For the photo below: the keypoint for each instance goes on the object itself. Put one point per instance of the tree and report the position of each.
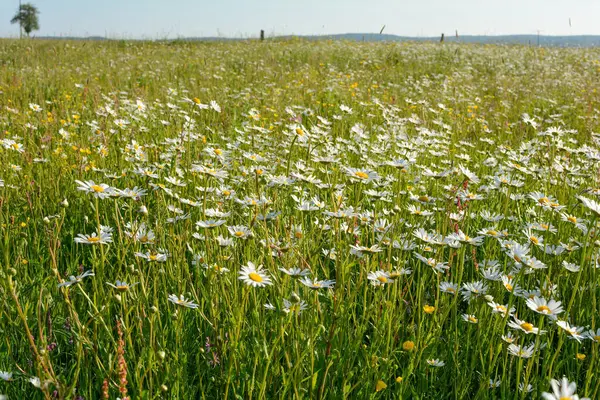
(27, 18)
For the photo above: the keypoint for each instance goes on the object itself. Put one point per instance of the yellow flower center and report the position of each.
(382, 279)
(472, 319)
(97, 188)
(239, 234)
(299, 132)
(144, 239)
(153, 257)
(362, 175)
(597, 338)
(218, 152)
(572, 219)
(492, 232)
(93, 239)
(255, 277)
(544, 200)
(294, 308)
(543, 309)
(226, 192)
(408, 345)
(527, 327)
(298, 235)
(534, 240)
(424, 198)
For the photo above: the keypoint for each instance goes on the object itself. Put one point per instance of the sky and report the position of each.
(162, 19)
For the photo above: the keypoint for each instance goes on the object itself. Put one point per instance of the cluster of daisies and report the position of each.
(394, 192)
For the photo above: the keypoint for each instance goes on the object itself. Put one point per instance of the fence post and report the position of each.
(262, 34)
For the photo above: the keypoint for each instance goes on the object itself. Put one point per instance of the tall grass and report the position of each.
(328, 157)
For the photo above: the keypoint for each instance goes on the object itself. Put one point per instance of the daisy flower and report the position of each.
(211, 223)
(590, 204)
(524, 326)
(470, 318)
(361, 175)
(574, 332)
(562, 390)
(594, 335)
(121, 286)
(379, 278)
(449, 287)
(181, 301)
(73, 280)
(253, 276)
(434, 362)
(6, 376)
(239, 231)
(570, 266)
(104, 238)
(316, 284)
(521, 351)
(101, 191)
(294, 306)
(295, 271)
(551, 308)
(501, 309)
(152, 256)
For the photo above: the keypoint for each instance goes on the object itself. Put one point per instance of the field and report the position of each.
(294, 219)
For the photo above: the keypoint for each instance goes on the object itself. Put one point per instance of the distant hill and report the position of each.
(542, 40)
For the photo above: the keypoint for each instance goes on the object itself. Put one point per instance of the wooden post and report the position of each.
(442, 38)
(262, 34)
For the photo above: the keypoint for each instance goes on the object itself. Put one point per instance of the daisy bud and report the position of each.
(46, 220)
(154, 309)
(64, 203)
(295, 298)
(164, 388)
(118, 298)
(143, 210)
(162, 355)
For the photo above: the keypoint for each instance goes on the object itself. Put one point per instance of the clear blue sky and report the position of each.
(156, 19)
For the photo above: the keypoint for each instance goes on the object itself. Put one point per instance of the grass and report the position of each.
(362, 164)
